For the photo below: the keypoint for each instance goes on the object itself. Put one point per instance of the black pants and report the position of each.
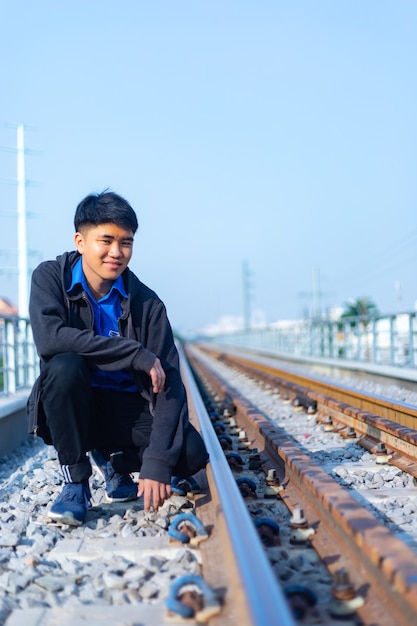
(81, 417)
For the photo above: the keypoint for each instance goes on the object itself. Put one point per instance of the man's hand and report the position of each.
(157, 375)
(153, 492)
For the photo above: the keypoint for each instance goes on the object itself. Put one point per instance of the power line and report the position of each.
(384, 267)
(382, 261)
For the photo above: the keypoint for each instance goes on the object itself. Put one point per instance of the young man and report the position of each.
(110, 384)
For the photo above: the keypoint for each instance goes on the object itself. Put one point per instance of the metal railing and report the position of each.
(382, 340)
(19, 361)
(389, 340)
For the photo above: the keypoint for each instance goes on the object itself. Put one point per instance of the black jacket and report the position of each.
(63, 322)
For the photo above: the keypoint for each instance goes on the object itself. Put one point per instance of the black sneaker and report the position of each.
(119, 487)
(71, 505)
(182, 486)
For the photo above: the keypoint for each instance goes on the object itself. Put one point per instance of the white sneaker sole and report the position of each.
(128, 499)
(65, 518)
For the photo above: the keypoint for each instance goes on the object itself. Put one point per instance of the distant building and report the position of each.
(7, 308)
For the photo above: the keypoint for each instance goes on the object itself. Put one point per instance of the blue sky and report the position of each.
(280, 134)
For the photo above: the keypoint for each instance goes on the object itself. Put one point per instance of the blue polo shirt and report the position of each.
(107, 311)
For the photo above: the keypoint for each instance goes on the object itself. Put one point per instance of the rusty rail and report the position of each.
(383, 567)
(375, 418)
(255, 595)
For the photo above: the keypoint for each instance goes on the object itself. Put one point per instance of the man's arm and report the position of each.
(53, 335)
(169, 406)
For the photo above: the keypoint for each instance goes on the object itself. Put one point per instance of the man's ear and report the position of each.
(79, 242)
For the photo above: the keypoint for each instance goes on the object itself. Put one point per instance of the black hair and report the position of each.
(106, 207)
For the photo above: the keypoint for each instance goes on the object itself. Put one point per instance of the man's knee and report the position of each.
(194, 455)
(67, 369)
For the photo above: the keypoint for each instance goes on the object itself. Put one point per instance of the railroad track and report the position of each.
(199, 559)
(373, 562)
(384, 426)
(279, 543)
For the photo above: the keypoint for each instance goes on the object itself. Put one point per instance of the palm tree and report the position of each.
(359, 312)
(362, 307)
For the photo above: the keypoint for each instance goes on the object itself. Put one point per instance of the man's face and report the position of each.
(106, 251)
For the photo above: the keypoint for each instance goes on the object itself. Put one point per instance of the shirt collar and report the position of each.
(78, 277)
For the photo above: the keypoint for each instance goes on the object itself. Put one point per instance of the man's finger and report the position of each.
(157, 375)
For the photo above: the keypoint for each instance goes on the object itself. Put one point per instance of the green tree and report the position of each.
(357, 314)
(362, 307)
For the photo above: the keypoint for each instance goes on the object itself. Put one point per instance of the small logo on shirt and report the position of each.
(114, 333)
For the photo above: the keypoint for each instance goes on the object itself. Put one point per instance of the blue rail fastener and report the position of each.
(301, 598)
(234, 460)
(268, 531)
(247, 487)
(191, 597)
(189, 520)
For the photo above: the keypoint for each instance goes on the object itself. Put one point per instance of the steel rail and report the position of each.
(396, 411)
(266, 603)
(370, 551)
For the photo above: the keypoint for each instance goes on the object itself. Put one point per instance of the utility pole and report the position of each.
(22, 263)
(22, 255)
(399, 289)
(316, 294)
(246, 296)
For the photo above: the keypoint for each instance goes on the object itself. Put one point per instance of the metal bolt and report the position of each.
(300, 532)
(254, 459)
(328, 424)
(342, 588)
(298, 518)
(351, 432)
(272, 487)
(192, 599)
(271, 475)
(381, 448)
